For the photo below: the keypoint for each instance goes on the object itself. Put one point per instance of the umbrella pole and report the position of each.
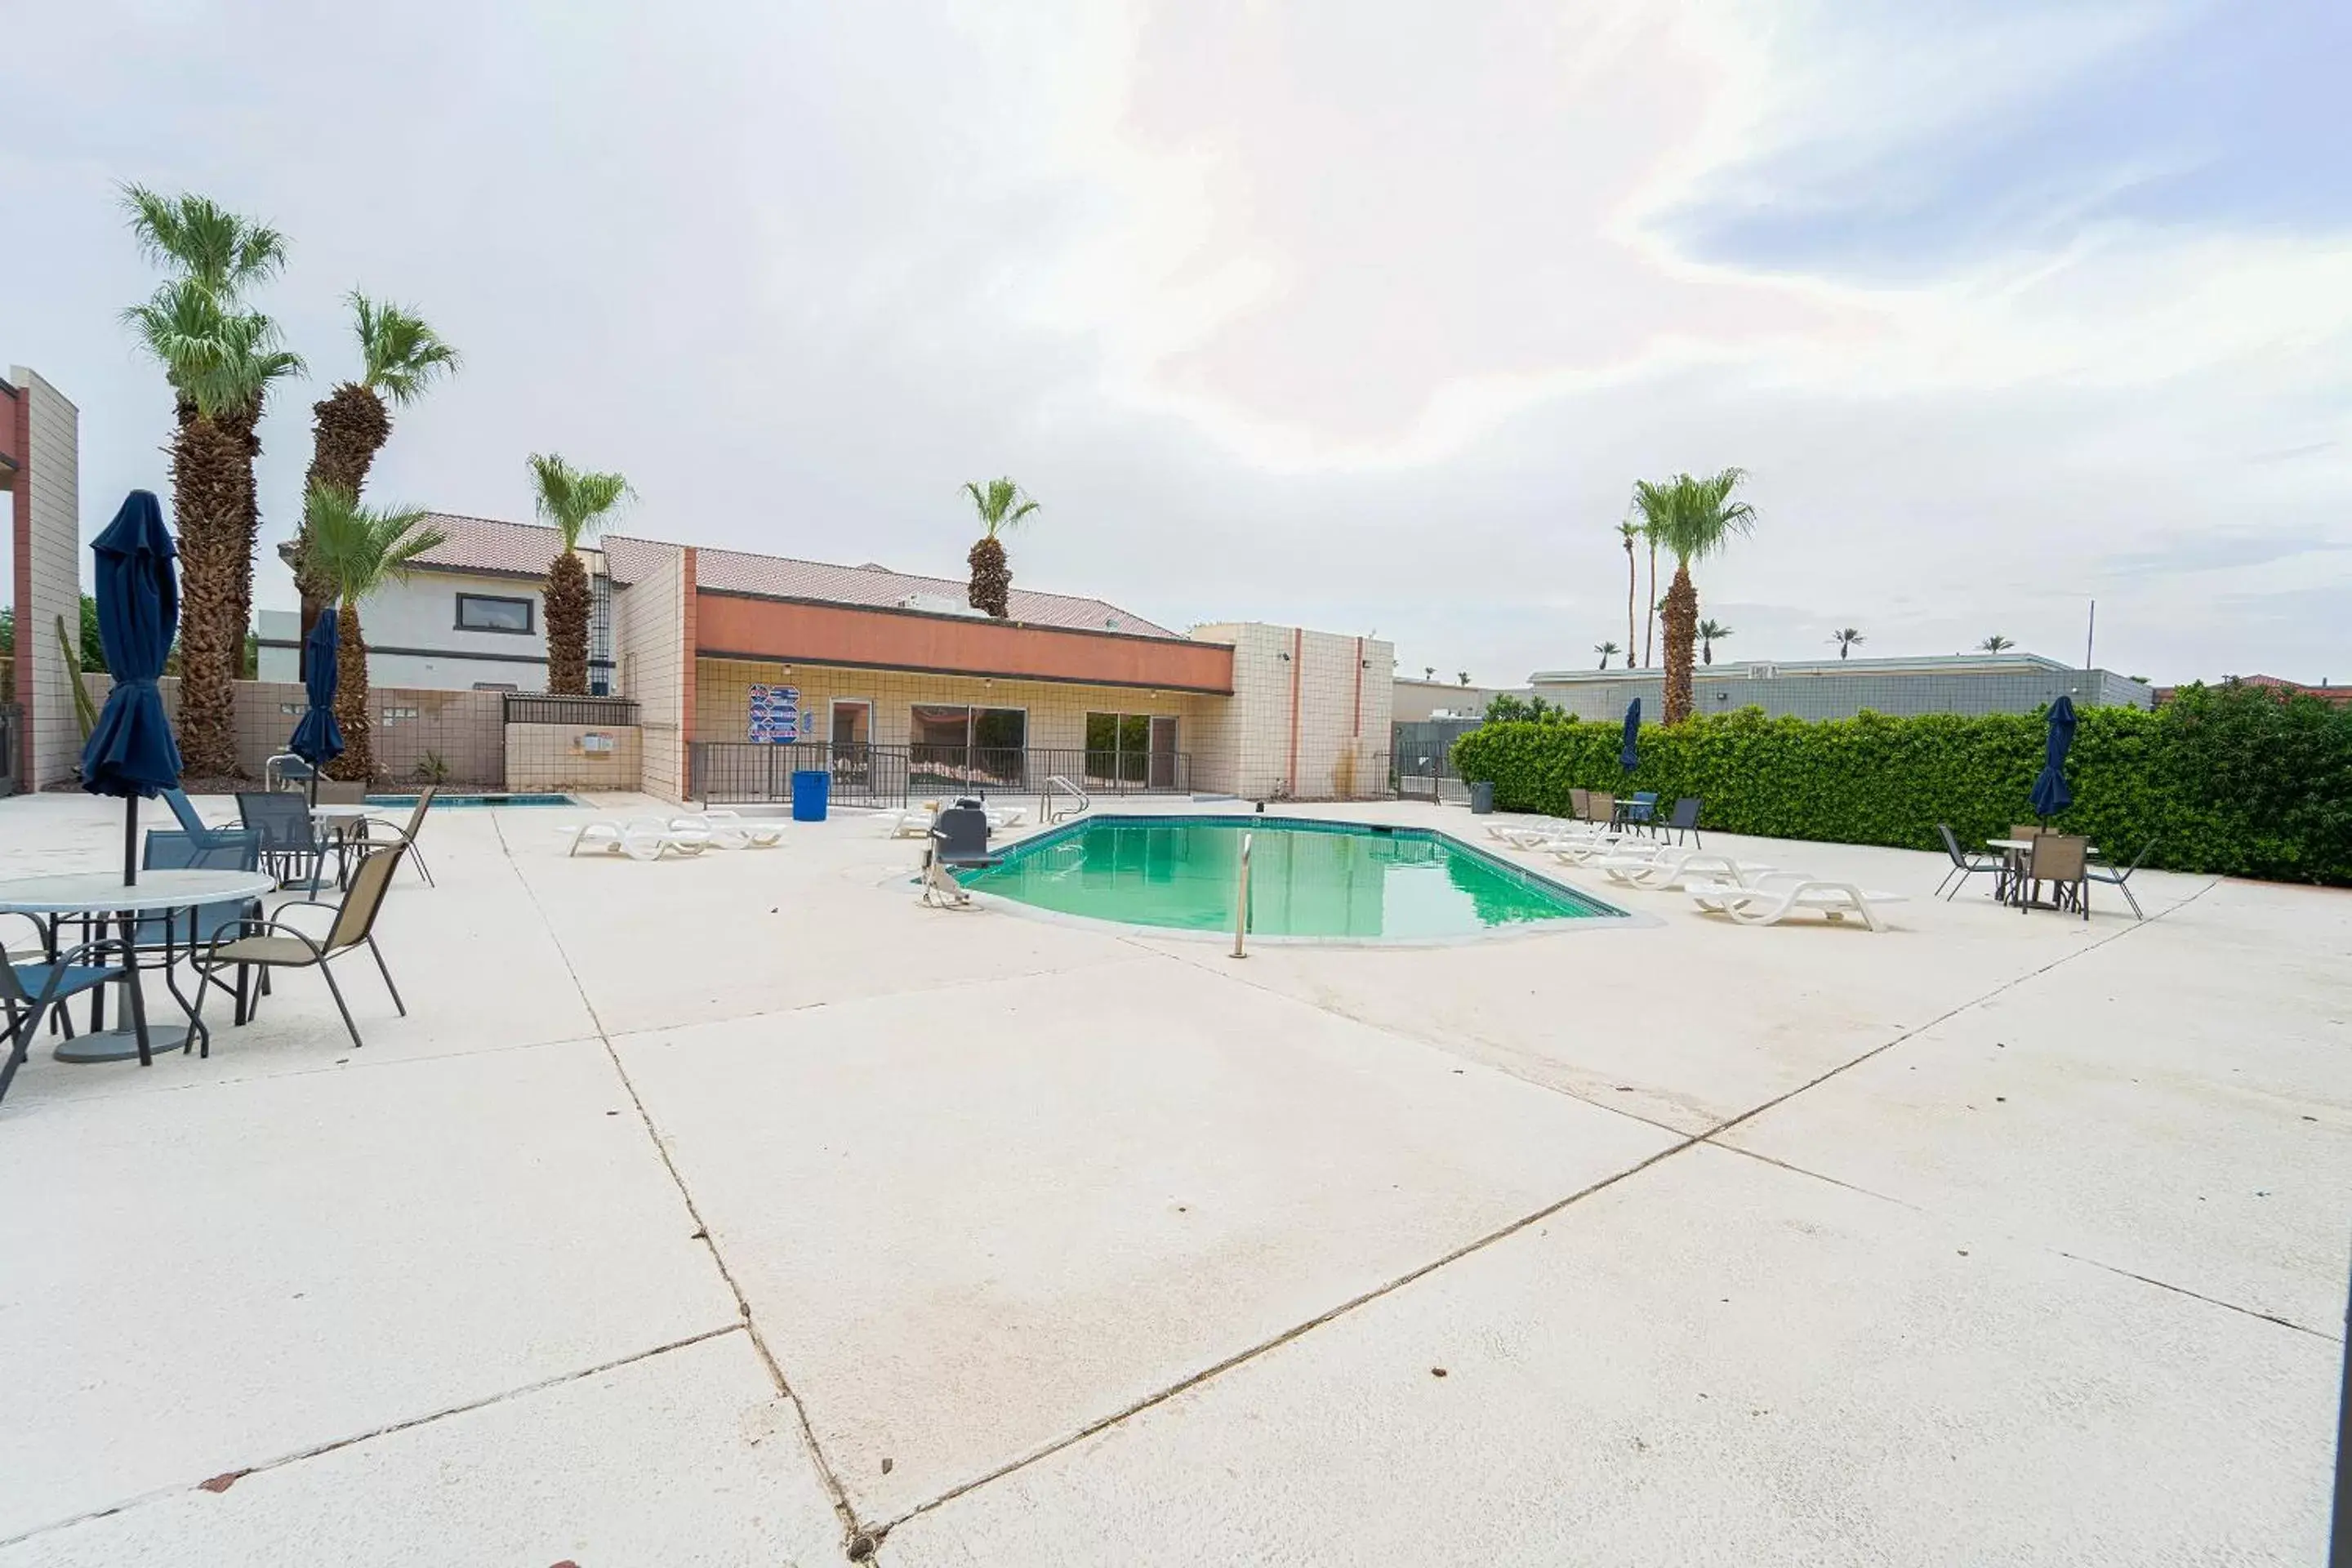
(130, 840)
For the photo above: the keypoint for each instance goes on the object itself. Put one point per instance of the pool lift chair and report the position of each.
(959, 840)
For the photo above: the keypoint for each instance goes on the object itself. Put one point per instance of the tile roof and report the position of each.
(488, 545)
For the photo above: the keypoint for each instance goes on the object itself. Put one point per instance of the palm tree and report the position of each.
(1001, 507)
(1607, 650)
(204, 244)
(1847, 639)
(1709, 634)
(1995, 644)
(356, 551)
(1429, 672)
(1462, 677)
(400, 356)
(574, 501)
(1627, 533)
(219, 362)
(1694, 518)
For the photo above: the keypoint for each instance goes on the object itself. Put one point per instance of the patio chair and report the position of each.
(2119, 878)
(1774, 898)
(1642, 811)
(227, 850)
(2060, 859)
(274, 944)
(31, 990)
(1684, 822)
(341, 792)
(2026, 831)
(1966, 863)
(640, 837)
(291, 849)
(195, 825)
(369, 827)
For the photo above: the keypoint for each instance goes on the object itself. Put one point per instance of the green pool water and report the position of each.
(1307, 878)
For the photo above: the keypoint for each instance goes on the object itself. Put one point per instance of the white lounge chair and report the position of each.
(1775, 898)
(1666, 869)
(1591, 846)
(915, 822)
(730, 830)
(640, 839)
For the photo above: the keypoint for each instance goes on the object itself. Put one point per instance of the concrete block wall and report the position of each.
(47, 513)
(1310, 714)
(652, 643)
(467, 730)
(566, 756)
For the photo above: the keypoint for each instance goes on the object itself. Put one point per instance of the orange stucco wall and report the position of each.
(743, 626)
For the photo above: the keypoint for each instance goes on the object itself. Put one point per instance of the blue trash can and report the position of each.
(812, 790)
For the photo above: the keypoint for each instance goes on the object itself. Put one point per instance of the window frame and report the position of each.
(530, 626)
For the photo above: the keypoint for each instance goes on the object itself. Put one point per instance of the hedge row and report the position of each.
(2231, 779)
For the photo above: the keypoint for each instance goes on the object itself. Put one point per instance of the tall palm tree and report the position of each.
(1429, 672)
(1694, 519)
(1002, 507)
(219, 362)
(356, 551)
(1709, 634)
(1627, 533)
(1847, 639)
(1995, 644)
(1650, 621)
(400, 356)
(201, 243)
(574, 501)
(1607, 650)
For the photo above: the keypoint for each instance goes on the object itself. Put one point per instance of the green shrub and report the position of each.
(2231, 779)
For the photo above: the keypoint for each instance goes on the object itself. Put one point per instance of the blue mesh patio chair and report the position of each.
(291, 849)
(31, 990)
(1684, 822)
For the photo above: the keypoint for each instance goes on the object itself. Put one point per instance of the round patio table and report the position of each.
(103, 897)
(340, 819)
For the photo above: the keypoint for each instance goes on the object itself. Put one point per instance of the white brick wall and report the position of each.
(649, 646)
(53, 469)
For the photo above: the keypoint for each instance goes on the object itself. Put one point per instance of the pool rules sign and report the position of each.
(775, 714)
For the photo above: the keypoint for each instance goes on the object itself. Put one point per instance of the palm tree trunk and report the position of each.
(992, 578)
(243, 424)
(566, 601)
(208, 499)
(1650, 621)
(1680, 612)
(357, 764)
(349, 426)
(1633, 587)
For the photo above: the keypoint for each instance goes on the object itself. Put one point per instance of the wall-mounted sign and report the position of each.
(775, 714)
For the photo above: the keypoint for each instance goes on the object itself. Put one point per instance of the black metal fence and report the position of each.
(9, 733)
(891, 775)
(1421, 760)
(535, 708)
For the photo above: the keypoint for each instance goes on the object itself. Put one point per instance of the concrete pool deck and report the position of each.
(713, 1211)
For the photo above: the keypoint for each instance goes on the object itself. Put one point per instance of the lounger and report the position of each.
(1591, 846)
(1672, 868)
(730, 830)
(1775, 898)
(640, 839)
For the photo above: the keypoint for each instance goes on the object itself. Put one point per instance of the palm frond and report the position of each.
(203, 241)
(358, 548)
(574, 500)
(223, 360)
(400, 355)
(1001, 504)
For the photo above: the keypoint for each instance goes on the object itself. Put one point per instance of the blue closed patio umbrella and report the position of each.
(2051, 794)
(1628, 757)
(131, 751)
(318, 738)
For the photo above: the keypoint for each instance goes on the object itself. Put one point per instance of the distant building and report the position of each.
(1418, 699)
(2339, 695)
(1840, 688)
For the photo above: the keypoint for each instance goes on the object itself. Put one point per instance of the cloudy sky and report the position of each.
(1359, 313)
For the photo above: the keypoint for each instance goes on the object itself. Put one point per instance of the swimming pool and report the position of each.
(1334, 880)
(443, 801)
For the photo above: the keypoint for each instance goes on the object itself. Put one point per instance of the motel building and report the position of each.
(718, 674)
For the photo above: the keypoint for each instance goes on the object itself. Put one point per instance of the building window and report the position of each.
(489, 613)
(1131, 749)
(952, 746)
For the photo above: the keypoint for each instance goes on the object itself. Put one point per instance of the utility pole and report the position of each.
(2091, 636)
